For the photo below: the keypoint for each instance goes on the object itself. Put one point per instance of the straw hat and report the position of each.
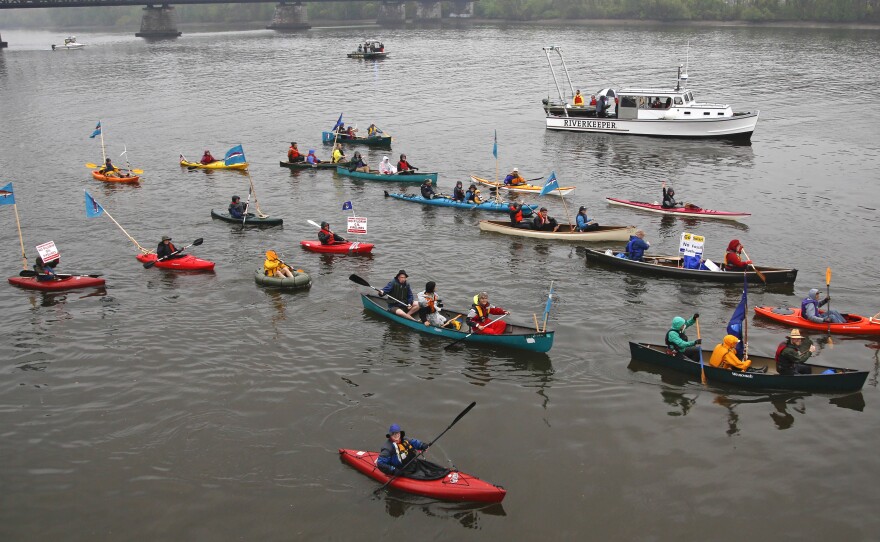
(796, 334)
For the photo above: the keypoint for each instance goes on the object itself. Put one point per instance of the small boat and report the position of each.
(68, 282)
(216, 164)
(394, 178)
(604, 233)
(252, 219)
(115, 178)
(444, 201)
(370, 141)
(453, 486)
(690, 212)
(70, 44)
(821, 379)
(515, 336)
(346, 247)
(522, 188)
(791, 317)
(670, 266)
(300, 279)
(187, 262)
(306, 165)
(369, 50)
(659, 112)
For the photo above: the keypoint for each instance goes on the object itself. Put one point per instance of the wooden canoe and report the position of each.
(522, 188)
(603, 234)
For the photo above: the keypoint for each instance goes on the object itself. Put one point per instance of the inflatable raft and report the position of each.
(63, 283)
(187, 262)
(300, 279)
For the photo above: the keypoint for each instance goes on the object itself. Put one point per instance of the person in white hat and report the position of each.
(791, 359)
(514, 178)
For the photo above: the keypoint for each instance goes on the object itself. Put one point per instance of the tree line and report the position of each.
(839, 11)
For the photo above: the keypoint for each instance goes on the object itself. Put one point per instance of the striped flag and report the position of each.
(93, 208)
(550, 184)
(235, 155)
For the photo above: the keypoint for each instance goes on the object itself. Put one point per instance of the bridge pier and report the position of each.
(462, 9)
(3, 44)
(391, 13)
(428, 11)
(290, 17)
(158, 22)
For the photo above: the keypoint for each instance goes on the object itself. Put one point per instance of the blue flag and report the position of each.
(495, 145)
(235, 155)
(549, 304)
(7, 197)
(97, 131)
(346, 206)
(338, 123)
(550, 184)
(737, 321)
(93, 208)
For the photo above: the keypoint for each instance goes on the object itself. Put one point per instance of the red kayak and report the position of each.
(455, 486)
(186, 263)
(854, 325)
(346, 247)
(63, 283)
(692, 212)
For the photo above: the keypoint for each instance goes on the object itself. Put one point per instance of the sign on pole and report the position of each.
(691, 245)
(48, 252)
(357, 224)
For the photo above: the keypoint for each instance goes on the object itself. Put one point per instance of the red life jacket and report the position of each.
(292, 154)
(331, 239)
(517, 218)
(780, 348)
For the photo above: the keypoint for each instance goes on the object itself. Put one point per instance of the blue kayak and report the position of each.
(443, 201)
(395, 178)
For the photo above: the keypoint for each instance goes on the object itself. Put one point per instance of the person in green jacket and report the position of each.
(678, 342)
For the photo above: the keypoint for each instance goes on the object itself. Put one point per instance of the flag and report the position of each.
(549, 304)
(235, 155)
(550, 184)
(495, 145)
(346, 206)
(97, 131)
(338, 122)
(93, 208)
(735, 327)
(7, 197)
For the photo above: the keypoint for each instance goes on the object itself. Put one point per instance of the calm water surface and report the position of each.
(200, 407)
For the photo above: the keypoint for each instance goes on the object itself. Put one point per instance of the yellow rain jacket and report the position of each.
(724, 355)
(272, 263)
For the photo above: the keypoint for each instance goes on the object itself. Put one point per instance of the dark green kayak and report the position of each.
(252, 220)
(305, 165)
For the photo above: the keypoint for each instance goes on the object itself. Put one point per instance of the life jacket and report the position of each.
(399, 291)
(729, 264)
(482, 313)
(779, 350)
(403, 165)
(516, 216)
(807, 302)
(669, 343)
(578, 99)
(431, 303)
(458, 194)
(331, 239)
(292, 154)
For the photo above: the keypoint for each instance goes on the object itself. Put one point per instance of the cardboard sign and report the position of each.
(691, 245)
(48, 252)
(357, 224)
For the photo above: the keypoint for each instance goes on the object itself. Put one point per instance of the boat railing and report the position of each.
(562, 98)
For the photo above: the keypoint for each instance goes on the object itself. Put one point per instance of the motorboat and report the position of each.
(369, 49)
(70, 44)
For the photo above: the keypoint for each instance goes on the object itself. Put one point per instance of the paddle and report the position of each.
(315, 224)
(702, 369)
(419, 454)
(828, 295)
(30, 273)
(95, 166)
(362, 282)
(761, 275)
(448, 346)
(196, 243)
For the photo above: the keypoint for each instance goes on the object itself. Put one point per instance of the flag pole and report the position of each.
(103, 152)
(142, 249)
(746, 320)
(565, 205)
(260, 212)
(20, 238)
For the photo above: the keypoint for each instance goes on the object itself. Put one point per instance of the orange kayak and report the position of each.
(114, 178)
(854, 325)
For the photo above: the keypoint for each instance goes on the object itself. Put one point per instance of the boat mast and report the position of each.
(565, 68)
(553, 73)
(103, 152)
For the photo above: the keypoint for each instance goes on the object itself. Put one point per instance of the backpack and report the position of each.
(779, 349)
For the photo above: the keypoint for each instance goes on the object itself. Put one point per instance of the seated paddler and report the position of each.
(427, 189)
(207, 158)
(327, 237)
(237, 209)
(810, 309)
(479, 318)
(724, 357)
(45, 270)
(400, 296)
(398, 451)
(274, 267)
(678, 343)
(636, 246)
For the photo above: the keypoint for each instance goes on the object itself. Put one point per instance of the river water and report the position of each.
(201, 407)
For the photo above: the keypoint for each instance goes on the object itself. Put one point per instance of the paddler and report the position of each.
(585, 223)
(274, 267)
(109, 169)
(207, 158)
(790, 360)
(398, 451)
(404, 167)
(544, 222)
(473, 195)
(312, 159)
(479, 317)
(293, 154)
(236, 208)
(516, 215)
(732, 259)
(327, 237)
(357, 163)
(810, 309)
(669, 198)
(636, 246)
(514, 178)
(724, 357)
(46, 271)
(458, 192)
(427, 190)
(386, 167)
(166, 249)
(338, 154)
(398, 288)
(430, 306)
(677, 341)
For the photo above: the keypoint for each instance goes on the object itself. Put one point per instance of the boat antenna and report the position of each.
(687, 57)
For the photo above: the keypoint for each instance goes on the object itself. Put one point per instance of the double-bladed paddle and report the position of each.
(195, 243)
(30, 273)
(450, 345)
(828, 296)
(419, 454)
(363, 282)
(95, 166)
(315, 224)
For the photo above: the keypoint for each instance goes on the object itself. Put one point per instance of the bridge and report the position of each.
(159, 20)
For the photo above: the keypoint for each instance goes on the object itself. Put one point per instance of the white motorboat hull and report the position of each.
(737, 127)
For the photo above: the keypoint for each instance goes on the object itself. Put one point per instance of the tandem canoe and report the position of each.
(395, 178)
(187, 262)
(604, 233)
(252, 219)
(840, 380)
(522, 188)
(515, 336)
(216, 164)
(300, 280)
(306, 165)
(346, 247)
(453, 486)
(670, 266)
(791, 317)
(374, 141)
(443, 201)
(68, 282)
(690, 212)
(115, 178)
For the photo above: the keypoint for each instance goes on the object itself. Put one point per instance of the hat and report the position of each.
(795, 334)
(394, 429)
(166, 238)
(542, 209)
(325, 224)
(401, 272)
(270, 254)
(235, 198)
(814, 293)
(516, 169)
(583, 208)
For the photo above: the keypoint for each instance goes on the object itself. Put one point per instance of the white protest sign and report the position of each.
(357, 224)
(48, 252)
(691, 245)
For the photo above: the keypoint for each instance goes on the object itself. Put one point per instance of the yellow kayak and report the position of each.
(217, 164)
(523, 188)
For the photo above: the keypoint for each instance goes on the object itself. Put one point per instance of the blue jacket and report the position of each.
(236, 210)
(635, 248)
(388, 460)
(404, 293)
(582, 221)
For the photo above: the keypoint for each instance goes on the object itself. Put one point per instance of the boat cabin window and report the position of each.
(660, 102)
(678, 101)
(628, 101)
(689, 97)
